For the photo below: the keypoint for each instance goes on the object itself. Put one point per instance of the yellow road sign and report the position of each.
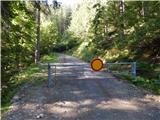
(97, 64)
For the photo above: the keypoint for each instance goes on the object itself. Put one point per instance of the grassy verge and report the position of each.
(152, 85)
(33, 74)
(50, 58)
(14, 86)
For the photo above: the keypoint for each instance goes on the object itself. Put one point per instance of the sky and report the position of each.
(68, 2)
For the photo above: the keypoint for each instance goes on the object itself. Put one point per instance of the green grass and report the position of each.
(49, 58)
(30, 75)
(16, 82)
(152, 85)
(5, 107)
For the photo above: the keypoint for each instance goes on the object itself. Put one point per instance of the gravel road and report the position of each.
(82, 94)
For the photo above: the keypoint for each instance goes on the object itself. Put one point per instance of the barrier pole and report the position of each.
(49, 74)
(134, 70)
(55, 74)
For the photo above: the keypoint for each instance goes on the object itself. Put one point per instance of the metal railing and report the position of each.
(133, 67)
(49, 73)
(60, 64)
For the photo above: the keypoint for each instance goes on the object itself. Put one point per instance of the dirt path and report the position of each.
(81, 94)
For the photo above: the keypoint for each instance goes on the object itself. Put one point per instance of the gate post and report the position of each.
(55, 75)
(49, 74)
(134, 70)
(108, 67)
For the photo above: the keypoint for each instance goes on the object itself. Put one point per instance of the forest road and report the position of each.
(81, 94)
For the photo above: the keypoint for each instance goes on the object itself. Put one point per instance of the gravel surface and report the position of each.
(82, 94)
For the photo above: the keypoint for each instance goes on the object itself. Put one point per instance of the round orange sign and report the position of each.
(97, 64)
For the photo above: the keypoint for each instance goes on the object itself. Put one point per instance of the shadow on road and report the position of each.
(81, 94)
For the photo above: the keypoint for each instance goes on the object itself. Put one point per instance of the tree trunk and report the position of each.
(37, 51)
(142, 13)
(121, 25)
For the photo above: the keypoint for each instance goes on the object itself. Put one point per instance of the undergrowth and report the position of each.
(29, 75)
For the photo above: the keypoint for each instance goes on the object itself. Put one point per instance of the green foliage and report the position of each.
(131, 35)
(89, 53)
(19, 42)
(148, 84)
(81, 19)
(152, 85)
(18, 35)
(49, 38)
(53, 34)
(125, 75)
(15, 82)
(5, 107)
(50, 58)
(25, 76)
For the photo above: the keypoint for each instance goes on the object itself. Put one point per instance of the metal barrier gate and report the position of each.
(55, 65)
(106, 65)
(132, 64)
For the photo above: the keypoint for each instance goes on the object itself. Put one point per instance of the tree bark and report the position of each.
(121, 25)
(37, 51)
